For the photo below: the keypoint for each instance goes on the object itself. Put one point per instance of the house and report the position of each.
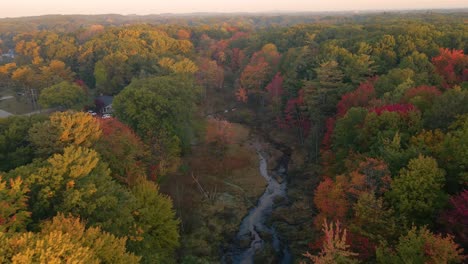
(10, 54)
(104, 104)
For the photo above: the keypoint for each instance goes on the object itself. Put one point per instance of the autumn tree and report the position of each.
(335, 249)
(63, 129)
(360, 97)
(218, 135)
(14, 215)
(420, 246)
(77, 182)
(422, 96)
(65, 238)
(122, 150)
(331, 201)
(76, 128)
(455, 219)
(275, 91)
(452, 65)
(210, 74)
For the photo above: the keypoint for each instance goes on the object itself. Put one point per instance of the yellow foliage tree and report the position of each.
(76, 128)
(65, 240)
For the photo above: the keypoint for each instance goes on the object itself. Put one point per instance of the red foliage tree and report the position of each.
(399, 108)
(456, 219)
(364, 248)
(327, 138)
(428, 92)
(452, 65)
(359, 97)
(421, 96)
(295, 115)
(275, 87)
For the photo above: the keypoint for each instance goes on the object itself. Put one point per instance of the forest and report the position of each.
(242, 138)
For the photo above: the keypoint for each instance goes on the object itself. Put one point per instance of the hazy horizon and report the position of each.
(22, 8)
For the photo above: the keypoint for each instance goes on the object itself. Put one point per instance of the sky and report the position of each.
(18, 8)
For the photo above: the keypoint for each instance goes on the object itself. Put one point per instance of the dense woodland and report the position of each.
(373, 107)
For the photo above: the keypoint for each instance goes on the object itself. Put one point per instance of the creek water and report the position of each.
(254, 232)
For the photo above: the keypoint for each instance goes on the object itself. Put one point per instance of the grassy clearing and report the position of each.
(17, 105)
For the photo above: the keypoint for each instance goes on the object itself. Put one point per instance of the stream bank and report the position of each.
(256, 235)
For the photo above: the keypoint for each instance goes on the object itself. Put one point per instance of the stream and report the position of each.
(249, 240)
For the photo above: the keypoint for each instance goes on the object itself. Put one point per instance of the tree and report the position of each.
(76, 128)
(387, 84)
(65, 238)
(420, 246)
(241, 95)
(452, 65)
(422, 96)
(335, 249)
(417, 193)
(322, 95)
(65, 95)
(421, 65)
(454, 155)
(157, 227)
(64, 129)
(372, 176)
(357, 98)
(218, 136)
(255, 76)
(445, 109)
(210, 74)
(15, 146)
(112, 73)
(374, 220)
(455, 219)
(346, 133)
(331, 201)
(160, 110)
(122, 150)
(384, 53)
(77, 182)
(275, 91)
(14, 215)
(54, 73)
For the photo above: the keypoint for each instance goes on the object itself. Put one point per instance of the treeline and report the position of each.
(380, 102)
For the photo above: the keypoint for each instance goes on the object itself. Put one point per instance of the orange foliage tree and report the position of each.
(122, 149)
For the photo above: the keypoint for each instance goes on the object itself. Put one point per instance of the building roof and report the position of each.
(105, 99)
